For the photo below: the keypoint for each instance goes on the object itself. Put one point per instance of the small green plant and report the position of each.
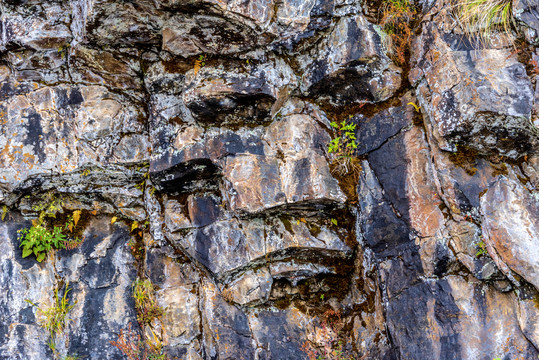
(55, 317)
(4, 212)
(200, 62)
(483, 17)
(145, 302)
(39, 240)
(343, 146)
(482, 248)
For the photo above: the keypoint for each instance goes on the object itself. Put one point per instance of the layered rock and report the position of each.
(193, 138)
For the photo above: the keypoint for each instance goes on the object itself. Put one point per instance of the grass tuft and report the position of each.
(145, 302)
(484, 17)
(54, 318)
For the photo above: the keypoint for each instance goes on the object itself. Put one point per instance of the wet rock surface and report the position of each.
(190, 141)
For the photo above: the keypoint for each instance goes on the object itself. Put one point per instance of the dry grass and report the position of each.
(330, 347)
(482, 18)
(133, 347)
(396, 19)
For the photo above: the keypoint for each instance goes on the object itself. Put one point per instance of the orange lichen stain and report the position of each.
(3, 118)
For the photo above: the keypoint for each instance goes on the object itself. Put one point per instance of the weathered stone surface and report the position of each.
(527, 11)
(373, 132)
(109, 22)
(227, 334)
(100, 274)
(465, 240)
(178, 284)
(482, 98)
(202, 128)
(527, 313)
(261, 169)
(225, 95)
(283, 330)
(251, 287)
(188, 36)
(228, 246)
(45, 26)
(511, 215)
(349, 66)
(56, 130)
(445, 311)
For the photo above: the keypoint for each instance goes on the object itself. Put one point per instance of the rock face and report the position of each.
(186, 143)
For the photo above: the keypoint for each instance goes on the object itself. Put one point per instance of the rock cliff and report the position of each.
(189, 139)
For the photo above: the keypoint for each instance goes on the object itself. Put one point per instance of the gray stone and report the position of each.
(481, 97)
(510, 227)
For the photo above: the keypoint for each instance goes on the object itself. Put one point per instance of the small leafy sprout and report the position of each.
(322, 297)
(39, 241)
(334, 221)
(200, 62)
(54, 318)
(4, 212)
(482, 249)
(343, 145)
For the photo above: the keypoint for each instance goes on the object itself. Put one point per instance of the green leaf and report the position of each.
(334, 221)
(41, 257)
(26, 252)
(4, 212)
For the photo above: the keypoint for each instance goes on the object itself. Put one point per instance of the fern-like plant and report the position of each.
(343, 146)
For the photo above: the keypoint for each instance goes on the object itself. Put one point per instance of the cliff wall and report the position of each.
(189, 138)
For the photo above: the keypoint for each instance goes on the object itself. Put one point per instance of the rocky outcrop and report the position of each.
(190, 140)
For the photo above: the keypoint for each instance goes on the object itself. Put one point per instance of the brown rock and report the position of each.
(510, 221)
